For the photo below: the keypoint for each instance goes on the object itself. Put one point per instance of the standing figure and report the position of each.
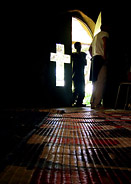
(99, 52)
(78, 65)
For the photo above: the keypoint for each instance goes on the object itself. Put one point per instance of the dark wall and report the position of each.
(119, 62)
(25, 56)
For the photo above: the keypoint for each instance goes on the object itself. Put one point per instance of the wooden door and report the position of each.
(60, 60)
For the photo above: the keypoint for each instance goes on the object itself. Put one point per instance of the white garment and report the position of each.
(99, 86)
(97, 43)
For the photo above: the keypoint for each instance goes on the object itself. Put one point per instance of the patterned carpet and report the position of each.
(74, 147)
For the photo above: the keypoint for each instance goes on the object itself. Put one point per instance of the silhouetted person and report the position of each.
(78, 64)
(98, 74)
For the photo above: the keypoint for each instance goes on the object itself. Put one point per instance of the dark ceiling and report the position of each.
(92, 8)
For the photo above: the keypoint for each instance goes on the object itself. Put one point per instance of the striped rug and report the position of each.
(74, 147)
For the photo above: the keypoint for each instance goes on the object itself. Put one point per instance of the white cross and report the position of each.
(60, 58)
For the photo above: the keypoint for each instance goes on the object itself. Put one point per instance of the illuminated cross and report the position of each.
(60, 58)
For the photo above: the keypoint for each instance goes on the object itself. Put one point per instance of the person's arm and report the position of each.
(84, 58)
(105, 43)
(90, 50)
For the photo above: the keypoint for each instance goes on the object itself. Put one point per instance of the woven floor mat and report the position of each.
(78, 148)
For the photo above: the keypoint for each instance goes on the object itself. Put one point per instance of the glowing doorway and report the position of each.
(81, 33)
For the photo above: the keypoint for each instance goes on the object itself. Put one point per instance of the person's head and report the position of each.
(77, 46)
